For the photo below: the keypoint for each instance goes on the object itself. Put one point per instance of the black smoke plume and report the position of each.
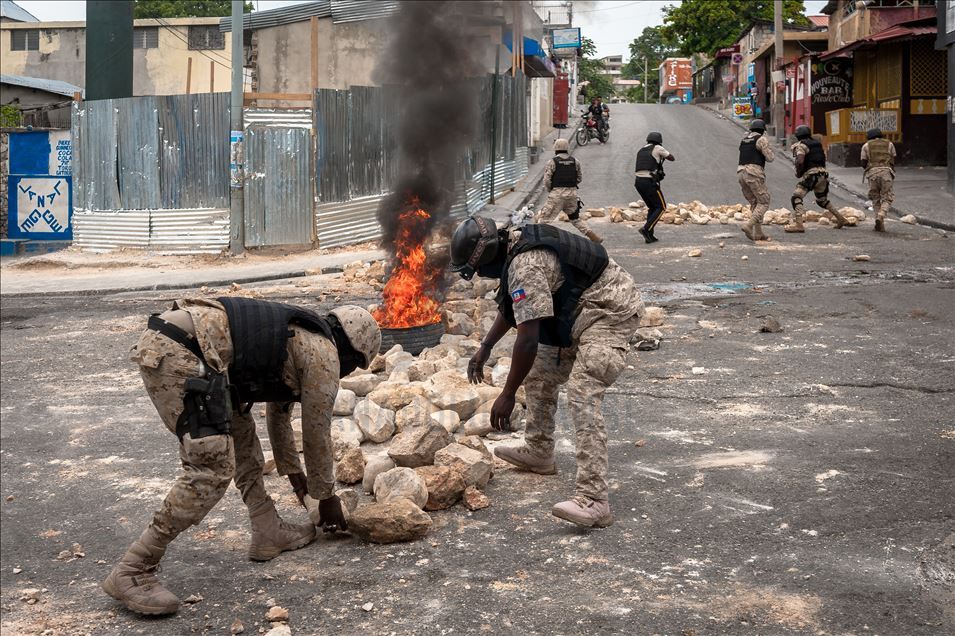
(434, 67)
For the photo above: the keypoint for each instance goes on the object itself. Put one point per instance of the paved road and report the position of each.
(706, 150)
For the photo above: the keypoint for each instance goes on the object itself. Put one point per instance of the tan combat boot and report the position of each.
(133, 581)
(796, 226)
(840, 221)
(593, 236)
(584, 511)
(749, 230)
(271, 536)
(526, 459)
(758, 232)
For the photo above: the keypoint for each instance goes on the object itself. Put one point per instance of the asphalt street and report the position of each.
(799, 482)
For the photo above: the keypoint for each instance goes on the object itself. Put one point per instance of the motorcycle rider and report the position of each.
(561, 178)
(601, 114)
(754, 152)
(809, 158)
(648, 175)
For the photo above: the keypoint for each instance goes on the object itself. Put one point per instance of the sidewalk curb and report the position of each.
(897, 213)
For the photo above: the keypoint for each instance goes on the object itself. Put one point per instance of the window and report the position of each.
(205, 38)
(146, 38)
(24, 39)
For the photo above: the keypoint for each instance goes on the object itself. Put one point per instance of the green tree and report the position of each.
(184, 8)
(702, 26)
(589, 70)
(652, 46)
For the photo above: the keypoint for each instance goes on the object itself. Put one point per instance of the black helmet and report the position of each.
(474, 243)
(655, 138)
(873, 133)
(803, 132)
(757, 124)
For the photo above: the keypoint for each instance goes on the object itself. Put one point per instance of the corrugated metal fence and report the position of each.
(153, 172)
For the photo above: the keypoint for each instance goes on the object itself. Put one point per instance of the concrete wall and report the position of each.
(26, 97)
(158, 71)
(346, 55)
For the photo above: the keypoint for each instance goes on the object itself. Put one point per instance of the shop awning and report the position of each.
(536, 62)
(897, 33)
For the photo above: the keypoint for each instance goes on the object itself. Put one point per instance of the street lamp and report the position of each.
(644, 58)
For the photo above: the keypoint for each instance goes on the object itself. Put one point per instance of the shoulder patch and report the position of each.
(518, 295)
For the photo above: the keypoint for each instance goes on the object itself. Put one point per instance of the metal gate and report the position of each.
(279, 173)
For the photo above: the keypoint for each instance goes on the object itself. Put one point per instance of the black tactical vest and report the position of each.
(260, 332)
(565, 172)
(581, 263)
(749, 153)
(645, 160)
(816, 157)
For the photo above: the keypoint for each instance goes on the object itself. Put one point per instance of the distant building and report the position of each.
(42, 103)
(12, 12)
(676, 80)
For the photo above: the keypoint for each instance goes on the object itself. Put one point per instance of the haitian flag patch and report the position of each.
(518, 295)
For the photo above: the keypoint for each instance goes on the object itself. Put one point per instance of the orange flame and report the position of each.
(407, 294)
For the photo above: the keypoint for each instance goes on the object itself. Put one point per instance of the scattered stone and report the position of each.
(479, 424)
(668, 218)
(351, 467)
(722, 244)
(416, 446)
(30, 596)
(450, 420)
(823, 221)
(462, 401)
(192, 599)
(744, 258)
(349, 499)
(724, 219)
(652, 317)
(460, 324)
(360, 385)
(910, 219)
(678, 220)
(476, 443)
(376, 465)
(276, 614)
(648, 344)
(396, 520)
(500, 373)
(640, 443)
(396, 395)
(17, 570)
(347, 430)
(596, 212)
(397, 358)
(770, 325)
(695, 253)
(474, 467)
(420, 370)
(280, 629)
(237, 627)
(861, 258)
(345, 402)
(444, 485)
(698, 370)
(368, 607)
(401, 483)
(376, 423)
(474, 499)
(416, 413)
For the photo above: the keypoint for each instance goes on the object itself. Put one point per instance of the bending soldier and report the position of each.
(204, 363)
(575, 310)
(754, 152)
(561, 178)
(878, 162)
(648, 175)
(809, 158)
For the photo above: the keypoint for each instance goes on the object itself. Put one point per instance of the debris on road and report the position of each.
(861, 258)
(695, 253)
(237, 627)
(192, 599)
(770, 325)
(368, 607)
(277, 614)
(910, 219)
(391, 522)
(474, 499)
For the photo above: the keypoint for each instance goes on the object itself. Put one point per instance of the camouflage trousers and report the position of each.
(561, 200)
(588, 368)
(756, 193)
(208, 463)
(818, 184)
(881, 194)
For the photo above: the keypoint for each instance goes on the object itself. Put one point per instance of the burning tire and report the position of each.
(414, 340)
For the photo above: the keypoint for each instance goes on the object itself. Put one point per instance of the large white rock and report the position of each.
(500, 373)
(397, 520)
(416, 413)
(376, 423)
(460, 324)
(345, 402)
(450, 420)
(420, 370)
(473, 467)
(401, 483)
(376, 464)
(362, 384)
(351, 467)
(479, 424)
(347, 430)
(462, 401)
(391, 361)
(396, 395)
(417, 446)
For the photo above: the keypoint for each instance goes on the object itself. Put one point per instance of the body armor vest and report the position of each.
(565, 172)
(749, 154)
(645, 160)
(581, 263)
(260, 332)
(879, 155)
(816, 157)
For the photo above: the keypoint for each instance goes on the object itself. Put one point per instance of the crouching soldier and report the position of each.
(575, 310)
(204, 363)
(809, 158)
(561, 178)
(878, 161)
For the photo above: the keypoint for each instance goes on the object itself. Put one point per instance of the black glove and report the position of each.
(330, 515)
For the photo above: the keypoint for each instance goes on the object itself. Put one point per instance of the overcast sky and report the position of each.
(611, 24)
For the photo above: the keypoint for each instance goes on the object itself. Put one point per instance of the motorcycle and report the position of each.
(590, 129)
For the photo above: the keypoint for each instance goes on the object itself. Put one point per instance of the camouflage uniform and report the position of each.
(815, 180)
(608, 315)
(560, 200)
(752, 180)
(881, 181)
(210, 462)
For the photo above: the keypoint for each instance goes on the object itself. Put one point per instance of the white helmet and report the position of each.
(561, 145)
(361, 329)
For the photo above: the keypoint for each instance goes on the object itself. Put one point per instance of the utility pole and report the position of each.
(779, 116)
(645, 79)
(494, 100)
(237, 145)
